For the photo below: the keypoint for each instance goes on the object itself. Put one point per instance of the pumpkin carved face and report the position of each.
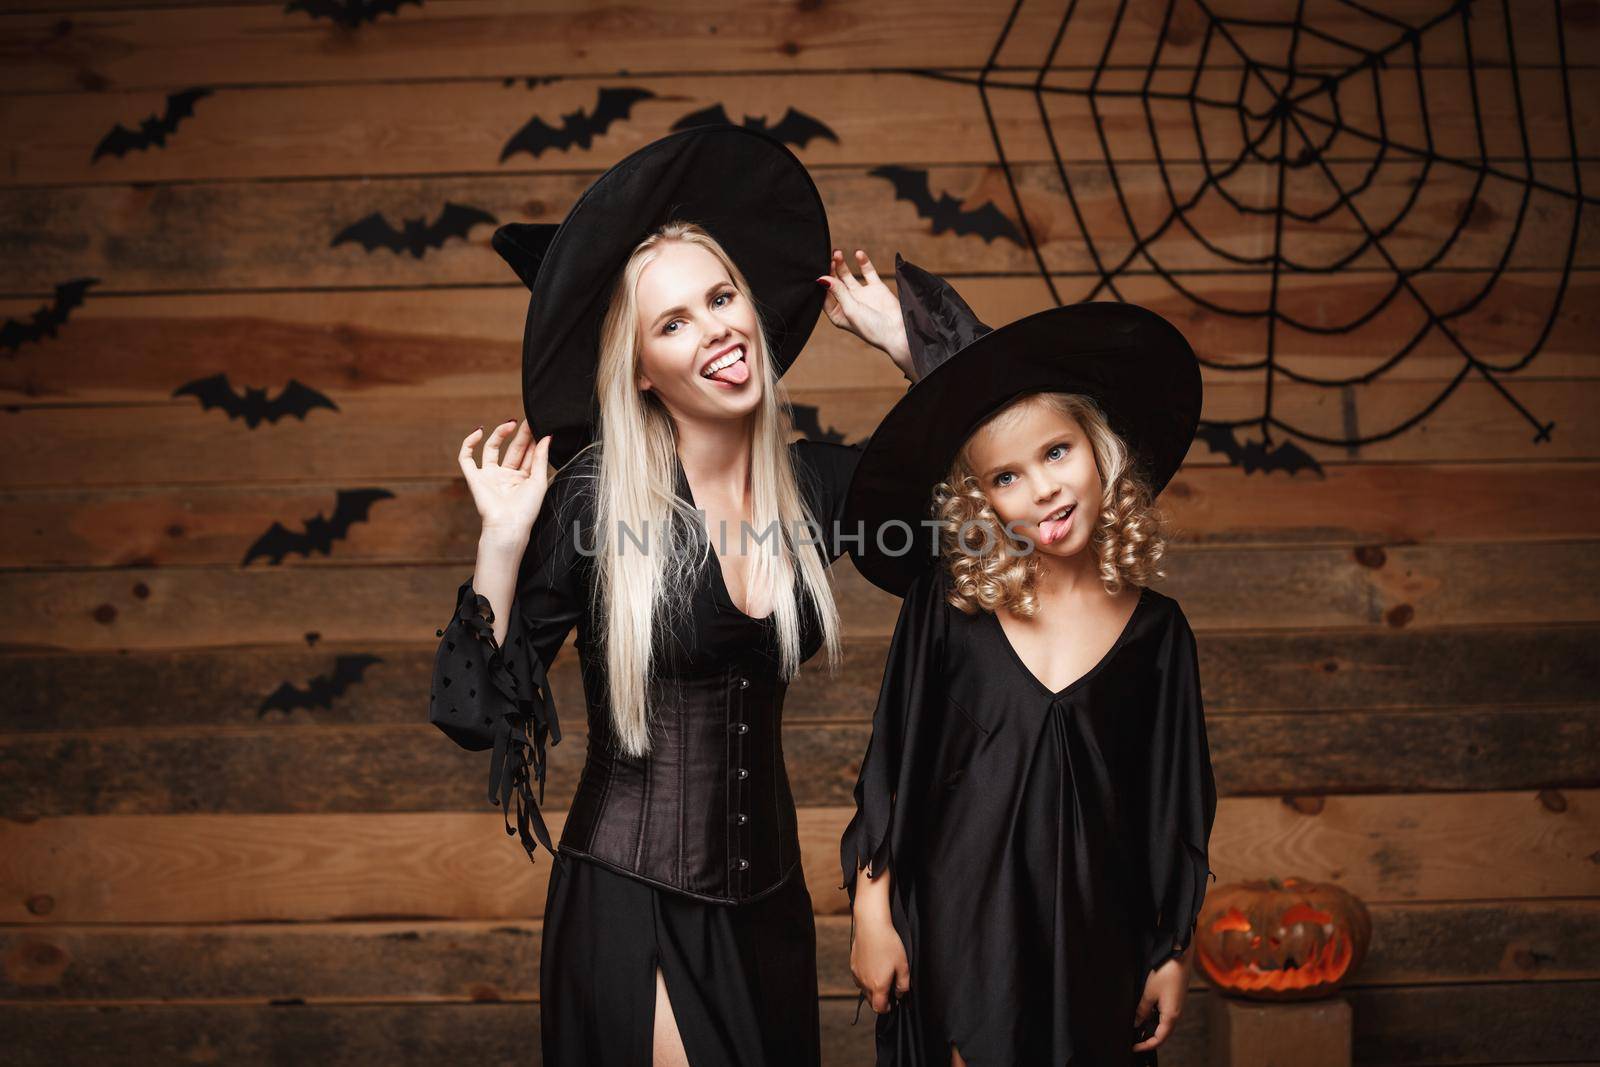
(1287, 939)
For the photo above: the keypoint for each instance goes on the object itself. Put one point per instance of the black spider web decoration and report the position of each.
(1289, 118)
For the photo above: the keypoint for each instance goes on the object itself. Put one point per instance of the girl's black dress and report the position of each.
(688, 859)
(1047, 849)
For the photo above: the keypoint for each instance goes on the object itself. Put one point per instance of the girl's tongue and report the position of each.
(1053, 530)
(733, 374)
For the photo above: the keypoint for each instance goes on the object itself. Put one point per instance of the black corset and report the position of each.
(709, 812)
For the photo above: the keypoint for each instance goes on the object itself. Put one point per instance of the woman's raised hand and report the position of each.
(508, 492)
(866, 308)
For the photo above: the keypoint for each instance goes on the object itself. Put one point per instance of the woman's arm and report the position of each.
(489, 687)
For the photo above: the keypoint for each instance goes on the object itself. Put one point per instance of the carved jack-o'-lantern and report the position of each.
(1281, 939)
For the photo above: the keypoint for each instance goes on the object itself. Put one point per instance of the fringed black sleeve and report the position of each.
(485, 696)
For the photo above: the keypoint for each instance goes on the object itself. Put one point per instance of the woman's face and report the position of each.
(1037, 469)
(692, 319)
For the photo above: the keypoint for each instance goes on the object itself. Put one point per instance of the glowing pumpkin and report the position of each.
(1281, 939)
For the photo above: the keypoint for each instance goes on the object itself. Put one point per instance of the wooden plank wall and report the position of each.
(1399, 640)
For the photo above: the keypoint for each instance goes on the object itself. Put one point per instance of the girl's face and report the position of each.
(692, 319)
(1037, 469)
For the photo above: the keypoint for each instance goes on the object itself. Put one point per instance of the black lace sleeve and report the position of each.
(488, 696)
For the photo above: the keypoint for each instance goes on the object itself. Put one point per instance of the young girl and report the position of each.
(1029, 850)
(677, 926)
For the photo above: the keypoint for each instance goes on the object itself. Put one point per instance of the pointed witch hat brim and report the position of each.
(742, 186)
(1135, 364)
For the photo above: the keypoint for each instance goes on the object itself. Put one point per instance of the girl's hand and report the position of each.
(1164, 989)
(878, 962)
(866, 308)
(507, 493)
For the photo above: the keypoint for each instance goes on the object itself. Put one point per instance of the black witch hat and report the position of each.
(1135, 364)
(743, 187)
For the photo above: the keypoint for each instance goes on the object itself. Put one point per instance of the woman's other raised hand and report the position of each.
(866, 308)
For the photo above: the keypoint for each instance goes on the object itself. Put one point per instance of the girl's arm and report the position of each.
(1179, 810)
(877, 955)
(876, 840)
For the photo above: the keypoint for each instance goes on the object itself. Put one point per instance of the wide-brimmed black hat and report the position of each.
(1135, 364)
(745, 188)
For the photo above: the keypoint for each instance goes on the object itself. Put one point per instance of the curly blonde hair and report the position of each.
(1129, 540)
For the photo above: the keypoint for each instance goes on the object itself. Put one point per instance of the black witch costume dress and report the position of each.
(1047, 849)
(687, 859)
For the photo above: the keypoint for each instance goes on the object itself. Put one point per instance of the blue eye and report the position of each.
(1056, 448)
(724, 296)
(1002, 474)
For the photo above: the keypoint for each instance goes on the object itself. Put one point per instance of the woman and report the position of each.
(678, 927)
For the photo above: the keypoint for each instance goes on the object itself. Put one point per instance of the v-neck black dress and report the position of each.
(1047, 849)
(738, 955)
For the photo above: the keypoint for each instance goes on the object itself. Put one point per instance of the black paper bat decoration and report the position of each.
(806, 420)
(415, 235)
(252, 405)
(1255, 456)
(153, 130)
(349, 13)
(988, 221)
(350, 507)
(578, 128)
(796, 127)
(43, 322)
(320, 693)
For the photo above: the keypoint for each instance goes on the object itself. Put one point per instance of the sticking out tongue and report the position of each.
(1055, 529)
(734, 373)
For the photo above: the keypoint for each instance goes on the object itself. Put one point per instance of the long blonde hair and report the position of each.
(637, 593)
(1129, 538)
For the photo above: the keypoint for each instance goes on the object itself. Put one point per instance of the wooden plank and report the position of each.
(273, 769)
(240, 868)
(336, 769)
(264, 45)
(372, 442)
(232, 44)
(1543, 1023)
(458, 962)
(332, 130)
(1219, 588)
(431, 520)
(279, 234)
(1479, 1024)
(336, 1035)
(438, 343)
(1242, 672)
(346, 1035)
